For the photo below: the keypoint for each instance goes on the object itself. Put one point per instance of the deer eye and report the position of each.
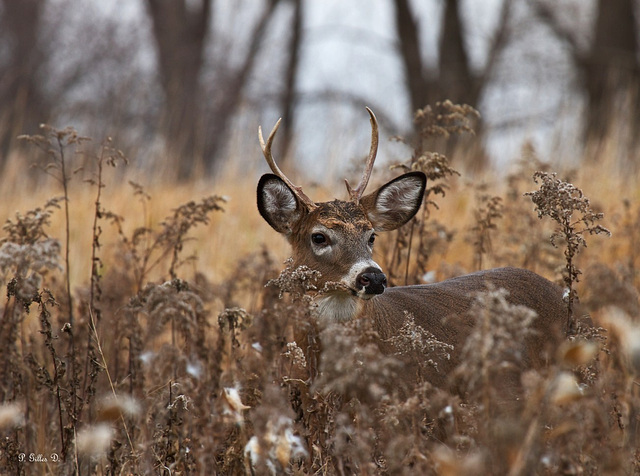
(372, 239)
(319, 238)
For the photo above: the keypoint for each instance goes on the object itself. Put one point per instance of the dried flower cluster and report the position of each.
(488, 211)
(418, 342)
(445, 118)
(296, 281)
(451, 119)
(493, 352)
(566, 205)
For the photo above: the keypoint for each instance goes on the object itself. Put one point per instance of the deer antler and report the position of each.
(266, 151)
(356, 193)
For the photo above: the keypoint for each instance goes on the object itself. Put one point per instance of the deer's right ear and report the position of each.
(277, 204)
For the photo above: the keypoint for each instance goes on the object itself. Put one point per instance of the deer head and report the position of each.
(336, 238)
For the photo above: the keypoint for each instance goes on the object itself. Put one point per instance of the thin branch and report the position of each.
(546, 14)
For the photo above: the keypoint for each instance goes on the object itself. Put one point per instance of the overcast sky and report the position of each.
(350, 47)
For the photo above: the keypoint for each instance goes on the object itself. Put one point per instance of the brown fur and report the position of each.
(442, 309)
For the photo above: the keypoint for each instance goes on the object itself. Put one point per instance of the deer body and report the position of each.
(336, 238)
(441, 309)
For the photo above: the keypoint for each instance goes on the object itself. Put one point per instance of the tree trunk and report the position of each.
(455, 79)
(611, 66)
(180, 29)
(289, 97)
(217, 128)
(410, 53)
(22, 105)
(609, 71)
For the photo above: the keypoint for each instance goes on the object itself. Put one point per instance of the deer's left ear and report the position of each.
(396, 202)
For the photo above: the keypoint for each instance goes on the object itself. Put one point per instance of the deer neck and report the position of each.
(338, 307)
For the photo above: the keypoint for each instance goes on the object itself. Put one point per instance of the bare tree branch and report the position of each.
(216, 136)
(546, 14)
(498, 43)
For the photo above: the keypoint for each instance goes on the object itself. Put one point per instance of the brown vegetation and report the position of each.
(113, 361)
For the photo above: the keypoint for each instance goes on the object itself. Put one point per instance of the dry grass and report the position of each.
(195, 367)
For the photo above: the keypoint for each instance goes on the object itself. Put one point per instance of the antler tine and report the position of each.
(266, 151)
(356, 193)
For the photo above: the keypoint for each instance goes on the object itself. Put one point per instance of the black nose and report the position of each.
(373, 280)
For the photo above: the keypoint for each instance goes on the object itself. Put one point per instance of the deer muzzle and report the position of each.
(372, 281)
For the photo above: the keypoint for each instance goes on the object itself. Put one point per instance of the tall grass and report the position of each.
(184, 362)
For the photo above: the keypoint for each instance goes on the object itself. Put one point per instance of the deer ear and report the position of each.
(396, 202)
(277, 204)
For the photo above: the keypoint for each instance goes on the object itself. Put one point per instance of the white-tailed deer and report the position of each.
(336, 238)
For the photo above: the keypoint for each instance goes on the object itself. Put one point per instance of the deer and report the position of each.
(337, 239)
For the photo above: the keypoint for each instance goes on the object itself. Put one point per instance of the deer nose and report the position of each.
(373, 280)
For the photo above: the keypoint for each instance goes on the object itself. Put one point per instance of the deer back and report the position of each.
(444, 310)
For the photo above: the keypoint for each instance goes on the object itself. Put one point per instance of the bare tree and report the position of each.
(454, 78)
(180, 29)
(289, 103)
(23, 105)
(455, 81)
(232, 88)
(196, 130)
(608, 69)
(417, 79)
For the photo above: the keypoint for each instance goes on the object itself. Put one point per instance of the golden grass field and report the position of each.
(240, 230)
(198, 378)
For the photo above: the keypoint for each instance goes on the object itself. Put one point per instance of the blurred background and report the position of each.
(181, 85)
